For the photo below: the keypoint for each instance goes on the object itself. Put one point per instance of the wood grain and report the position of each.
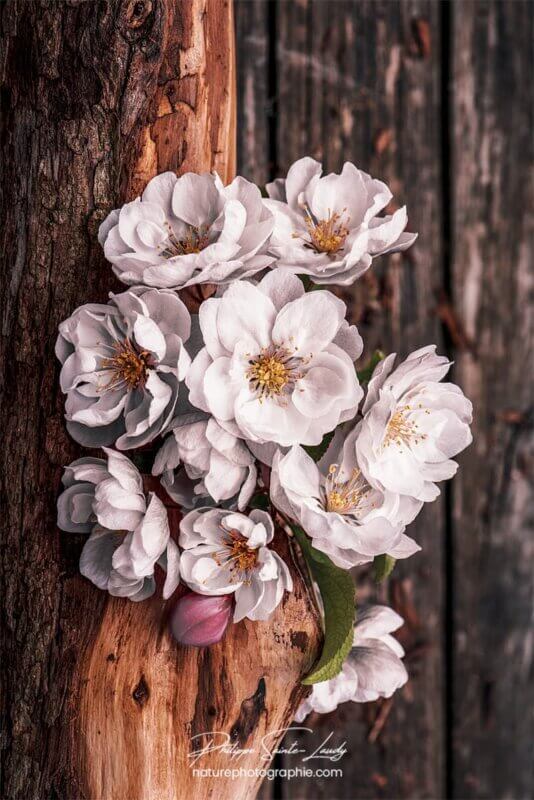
(492, 278)
(148, 703)
(98, 702)
(354, 85)
(255, 107)
(433, 97)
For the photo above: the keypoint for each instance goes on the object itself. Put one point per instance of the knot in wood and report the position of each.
(137, 13)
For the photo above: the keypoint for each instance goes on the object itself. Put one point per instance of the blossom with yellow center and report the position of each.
(225, 552)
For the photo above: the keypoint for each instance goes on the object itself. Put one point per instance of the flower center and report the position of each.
(344, 497)
(326, 235)
(273, 372)
(195, 240)
(401, 430)
(240, 559)
(128, 365)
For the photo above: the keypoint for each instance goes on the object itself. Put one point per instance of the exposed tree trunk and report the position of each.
(98, 701)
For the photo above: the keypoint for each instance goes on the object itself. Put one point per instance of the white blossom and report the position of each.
(129, 536)
(225, 552)
(346, 518)
(328, 227)
(373, 667)
(122, 364)
(277, 365)
(413, 425)
(201, 460)
(188, 230)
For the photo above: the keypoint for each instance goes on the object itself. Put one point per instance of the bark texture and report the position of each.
(97, 701)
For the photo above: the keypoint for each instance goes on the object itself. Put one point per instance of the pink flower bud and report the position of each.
(199, 620)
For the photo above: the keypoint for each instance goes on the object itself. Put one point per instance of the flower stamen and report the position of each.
(326, 235)
(237, 557)
(401, 430)
(129, 366)
(274, 372)
(195, 240)
(345, 497)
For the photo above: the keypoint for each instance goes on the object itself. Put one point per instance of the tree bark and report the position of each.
(97, 700)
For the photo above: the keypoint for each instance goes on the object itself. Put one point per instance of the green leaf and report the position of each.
(309, 285)
(364, 375)
(317, 451)
(260, 500)
(143, 460)
(382, 567)
(306, 282)
(337, 592)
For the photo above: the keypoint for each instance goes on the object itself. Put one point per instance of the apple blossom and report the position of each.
(372, 669)
(188, 230)
(277, 365)
(122, 364)
(201, 460)
(105, 497)
(225, 552)
(328, 227)
(412, 425)
(345, 517)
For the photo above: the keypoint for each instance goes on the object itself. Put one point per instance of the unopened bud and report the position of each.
(200, 620)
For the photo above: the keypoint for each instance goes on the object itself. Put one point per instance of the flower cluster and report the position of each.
(251, 411)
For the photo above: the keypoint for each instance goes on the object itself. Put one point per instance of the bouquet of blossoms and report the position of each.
(251, 412)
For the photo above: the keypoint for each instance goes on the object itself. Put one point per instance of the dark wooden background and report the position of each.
(435, 98)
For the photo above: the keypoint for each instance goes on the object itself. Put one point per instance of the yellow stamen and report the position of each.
(129, 366)
(326, 235)
(194, 241)
(269, 373)
(237, 557)
(344, 497)
(401, 430)
(274, 371)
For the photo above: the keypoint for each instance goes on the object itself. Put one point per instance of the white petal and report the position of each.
(196, 199)
(282, 287)
(245, 313)
(149, 337)
(219, 389)
(171, 564)
(309, 323)
(96, 557)
(300, 174)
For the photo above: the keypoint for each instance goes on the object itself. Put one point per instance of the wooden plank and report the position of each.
(255, 107)
(493, 691)
(255, 122)
(361, 81)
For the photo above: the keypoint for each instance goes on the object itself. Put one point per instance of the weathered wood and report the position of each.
(148, 703)
(255, 107)
(360, 82)
(97, 97)
(493, 251)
